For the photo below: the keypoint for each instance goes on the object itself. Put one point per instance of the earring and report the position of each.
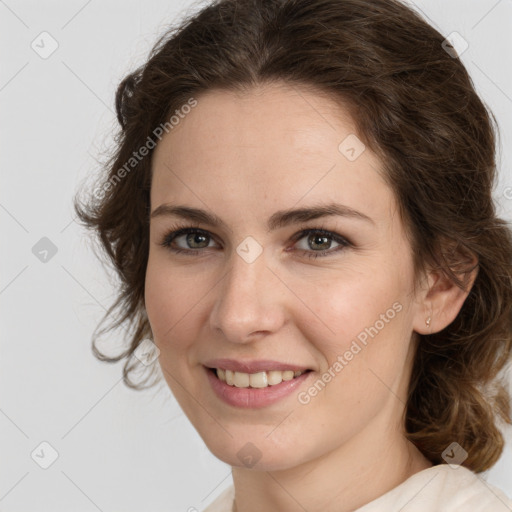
(427, 321)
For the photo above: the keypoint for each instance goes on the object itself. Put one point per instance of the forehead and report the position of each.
(274, 146)
(248, 122)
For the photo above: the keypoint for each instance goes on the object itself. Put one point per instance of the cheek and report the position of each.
(167, 283)
(172, 301)
(157, 297)
(341, 308)
(361, 328)
(170, 297)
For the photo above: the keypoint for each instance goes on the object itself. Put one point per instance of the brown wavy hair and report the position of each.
(415, 106)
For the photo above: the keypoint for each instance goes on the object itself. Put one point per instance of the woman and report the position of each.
(300, 211)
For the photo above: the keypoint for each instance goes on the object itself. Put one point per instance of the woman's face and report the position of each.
(255, 292)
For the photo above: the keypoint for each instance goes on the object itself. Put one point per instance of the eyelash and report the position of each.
(171, 235)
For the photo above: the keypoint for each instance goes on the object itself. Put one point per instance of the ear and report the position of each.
(440, 298)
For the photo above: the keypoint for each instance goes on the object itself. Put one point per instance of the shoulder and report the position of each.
(223, 502)
(443, 488)
(464, 491)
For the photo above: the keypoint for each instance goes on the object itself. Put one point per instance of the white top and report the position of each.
(441, 488)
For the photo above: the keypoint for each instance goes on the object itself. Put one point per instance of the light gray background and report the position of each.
(119, 449)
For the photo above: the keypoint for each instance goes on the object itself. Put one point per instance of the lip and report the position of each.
(253, 398)
(253, 366)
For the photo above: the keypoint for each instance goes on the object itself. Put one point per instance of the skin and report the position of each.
(244, 156)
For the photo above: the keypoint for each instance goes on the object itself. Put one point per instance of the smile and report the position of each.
(256, 380)
(254, 390)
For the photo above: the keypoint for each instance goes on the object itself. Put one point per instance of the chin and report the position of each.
(258, 454)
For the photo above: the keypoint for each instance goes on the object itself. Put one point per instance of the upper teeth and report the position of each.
(256, 380)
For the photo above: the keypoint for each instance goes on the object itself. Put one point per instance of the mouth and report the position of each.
(257, 380)
(255, 390)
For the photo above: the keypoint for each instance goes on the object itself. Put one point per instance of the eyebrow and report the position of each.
(279, 219)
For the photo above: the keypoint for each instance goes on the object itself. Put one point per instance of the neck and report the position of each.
(340, 480)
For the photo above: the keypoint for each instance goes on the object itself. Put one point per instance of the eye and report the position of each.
(320, 239)
(194, 240)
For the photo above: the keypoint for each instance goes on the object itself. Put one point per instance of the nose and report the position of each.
(249, 301)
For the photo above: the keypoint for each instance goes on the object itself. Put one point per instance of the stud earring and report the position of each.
(427, 321)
